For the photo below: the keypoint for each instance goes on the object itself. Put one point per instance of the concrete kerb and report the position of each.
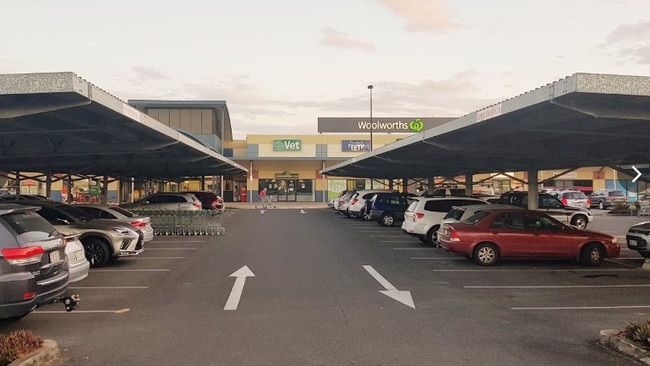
(47, 355)
(613, 339)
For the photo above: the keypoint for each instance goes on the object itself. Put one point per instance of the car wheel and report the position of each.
(592, 254)
(485, 254)
(580, 221)
(386, 220)
(432, 235)
(366, 216)
(601, 205)
(97, 252)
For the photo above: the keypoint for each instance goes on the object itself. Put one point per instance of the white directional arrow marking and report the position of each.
(638, 174)
(238, 287)
(302, 211)
(402, 296)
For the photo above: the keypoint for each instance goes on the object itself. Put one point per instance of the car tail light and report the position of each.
(23, 256)
(588, 201)
(138, 224)
(353, 202)
(417, 216)
(453, 235)
(564, 201)
(29, 295)
(197, 205)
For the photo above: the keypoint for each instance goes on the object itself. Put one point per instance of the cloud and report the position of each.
(336, 39)
(633, 42)
(423, 15)
(144, 73)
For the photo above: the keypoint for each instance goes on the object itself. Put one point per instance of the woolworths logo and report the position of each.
(416, 126)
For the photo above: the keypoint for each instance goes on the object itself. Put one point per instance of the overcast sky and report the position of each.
(280, 65)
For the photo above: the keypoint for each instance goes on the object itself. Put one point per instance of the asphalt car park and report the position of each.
(327, 289)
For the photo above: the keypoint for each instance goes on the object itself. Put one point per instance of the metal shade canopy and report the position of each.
(60, 123)
(579, 121)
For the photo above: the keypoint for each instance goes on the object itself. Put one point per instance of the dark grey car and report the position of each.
(32, 261)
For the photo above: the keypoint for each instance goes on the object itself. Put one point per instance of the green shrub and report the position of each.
(638, 333)
(17, 344)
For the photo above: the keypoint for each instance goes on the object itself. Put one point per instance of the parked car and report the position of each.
(357, 204)
(494, 234)
(77, 264)
(166, 201)
(460, 213)
(579, 217)
(13, 197)
(103, 240)
(344, 202)
(112, 212)
(32, 261)
(387, 208)
(572, 198)
(638, 237)
(209, 200)
(606, 198)
(422, 217)
(334, 203)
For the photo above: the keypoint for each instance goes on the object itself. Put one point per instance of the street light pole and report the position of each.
(370, 88)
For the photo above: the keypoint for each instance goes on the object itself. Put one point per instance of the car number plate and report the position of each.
(55, 256)
(632, 242)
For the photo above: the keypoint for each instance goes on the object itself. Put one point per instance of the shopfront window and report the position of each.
(289, 190)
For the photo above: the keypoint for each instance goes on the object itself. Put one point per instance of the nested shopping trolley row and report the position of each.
(170, 222)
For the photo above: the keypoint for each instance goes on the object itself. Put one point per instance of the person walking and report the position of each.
(262, 197)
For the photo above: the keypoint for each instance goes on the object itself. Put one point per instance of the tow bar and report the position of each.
(70, 302)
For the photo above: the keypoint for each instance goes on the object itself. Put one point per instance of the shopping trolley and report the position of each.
(265, 202)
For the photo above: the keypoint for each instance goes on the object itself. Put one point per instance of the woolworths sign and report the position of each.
(287, 145)
(389, 125)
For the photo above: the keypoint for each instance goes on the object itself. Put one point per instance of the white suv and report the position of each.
(423, 216)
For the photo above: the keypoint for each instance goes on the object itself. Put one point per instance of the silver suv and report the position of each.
(166, 201)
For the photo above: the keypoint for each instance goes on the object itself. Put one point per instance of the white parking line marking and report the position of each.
(554, 287)
(438, 258)
(582, 307)
(107, 287)
(132, 270)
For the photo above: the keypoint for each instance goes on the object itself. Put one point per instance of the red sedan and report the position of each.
(492, 234)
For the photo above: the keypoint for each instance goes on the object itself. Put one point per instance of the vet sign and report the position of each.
(287, 145)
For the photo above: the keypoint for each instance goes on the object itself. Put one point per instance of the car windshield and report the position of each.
(30, 226)
(478, 216)
(616, 194)
(455, 214)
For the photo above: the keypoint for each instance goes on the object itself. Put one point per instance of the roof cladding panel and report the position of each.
(581, 120)
(59, 123)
